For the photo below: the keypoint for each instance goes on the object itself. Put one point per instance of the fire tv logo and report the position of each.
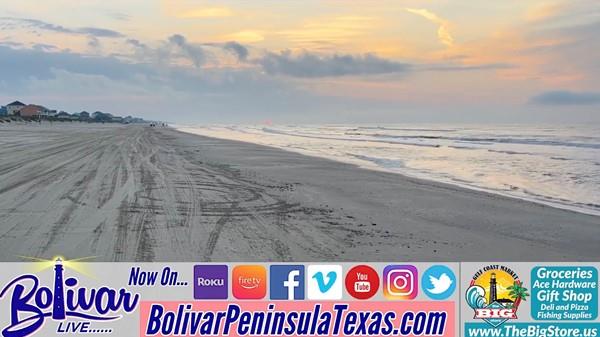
(362, 282)
(249, 282)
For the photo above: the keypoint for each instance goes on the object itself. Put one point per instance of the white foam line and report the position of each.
(406, 172)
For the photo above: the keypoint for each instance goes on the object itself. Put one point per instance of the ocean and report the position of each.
(549, 164)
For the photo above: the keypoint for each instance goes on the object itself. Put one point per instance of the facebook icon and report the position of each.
(287, 282)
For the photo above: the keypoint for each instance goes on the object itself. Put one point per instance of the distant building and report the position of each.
(100, 116)
(116, 119)
(14, 107)
(84, 115)
(3, 111)
(33, 110)
(63, 116)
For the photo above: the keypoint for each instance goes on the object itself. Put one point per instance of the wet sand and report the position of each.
(135, 193)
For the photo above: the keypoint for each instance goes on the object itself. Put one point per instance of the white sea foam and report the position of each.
(555, 165)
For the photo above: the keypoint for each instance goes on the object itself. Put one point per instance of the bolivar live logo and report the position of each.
(31, 304)
(495, 293)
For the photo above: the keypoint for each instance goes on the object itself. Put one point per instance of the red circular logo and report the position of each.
(362, 282)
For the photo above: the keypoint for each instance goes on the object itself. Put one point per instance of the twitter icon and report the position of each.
(438, 282)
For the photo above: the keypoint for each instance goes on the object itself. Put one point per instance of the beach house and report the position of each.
(63, 116)
(3, 111)
(33, 111)
(14, 107)
(100, 116)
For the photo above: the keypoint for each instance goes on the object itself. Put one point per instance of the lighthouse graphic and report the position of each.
(58, 308)
(493, 289)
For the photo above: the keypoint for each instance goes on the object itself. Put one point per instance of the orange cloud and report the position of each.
(443, 31)
(210, 12)
(245, 36)
(186, 9)
(336, 30)
(544, 11)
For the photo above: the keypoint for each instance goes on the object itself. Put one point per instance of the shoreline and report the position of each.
(416, 175)
(134, 193)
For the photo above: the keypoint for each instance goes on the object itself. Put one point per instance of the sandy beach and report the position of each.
(136, 193)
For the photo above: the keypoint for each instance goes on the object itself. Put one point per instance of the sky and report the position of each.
(311, 62)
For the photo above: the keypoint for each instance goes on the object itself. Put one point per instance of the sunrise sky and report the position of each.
(306, 61)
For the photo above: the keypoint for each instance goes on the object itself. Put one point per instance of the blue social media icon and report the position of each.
(438, 282)
(287, 282)
(325, 286)
(323, 282)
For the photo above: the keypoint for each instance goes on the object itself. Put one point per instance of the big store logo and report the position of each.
(495, 293)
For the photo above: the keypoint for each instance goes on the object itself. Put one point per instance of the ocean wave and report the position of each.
(562, 174)
(273, 131)
(404, 129)
(382, 162)
(492, 140)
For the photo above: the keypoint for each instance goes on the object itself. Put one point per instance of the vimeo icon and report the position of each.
(324, 282)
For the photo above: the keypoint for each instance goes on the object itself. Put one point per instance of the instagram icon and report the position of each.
(400, 282)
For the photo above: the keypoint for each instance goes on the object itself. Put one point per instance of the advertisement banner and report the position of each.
(66, 297)
(530, 299)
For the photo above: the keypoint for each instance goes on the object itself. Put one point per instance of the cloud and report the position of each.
(118, 16)
(136, 43)
(212, 12)
(236, 48)
(563, 97)
(544, 11)
(9, 22)
(194, 52)
(74, 82)
(141, 51)
(466, 67)
(99, 32)
(24, 64)
(246, 36)
(11, 44)
(443, 30)
(44, 47)
(12, 23)
(310, 65)
(94, 44)
(330, 31)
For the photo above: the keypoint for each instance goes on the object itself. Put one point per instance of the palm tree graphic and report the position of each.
(518, 293)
